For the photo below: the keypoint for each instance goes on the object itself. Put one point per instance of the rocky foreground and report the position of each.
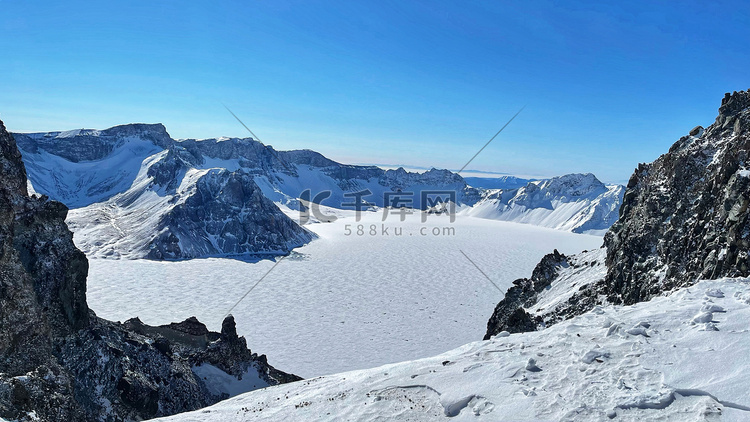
(60, 362)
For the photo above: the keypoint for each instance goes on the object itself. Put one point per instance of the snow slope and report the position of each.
(340, 305)
(87, 182)
(196, 213)
(654, 361)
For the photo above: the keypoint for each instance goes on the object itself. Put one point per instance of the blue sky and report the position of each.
(423, 83)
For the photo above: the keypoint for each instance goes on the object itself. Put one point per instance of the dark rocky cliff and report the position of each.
(684, 218)
(58, 361)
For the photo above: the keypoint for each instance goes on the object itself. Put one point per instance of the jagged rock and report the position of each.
(59, 361)
(225, 214)
(509, 314)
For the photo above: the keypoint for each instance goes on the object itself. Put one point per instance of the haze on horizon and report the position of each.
(417, 83)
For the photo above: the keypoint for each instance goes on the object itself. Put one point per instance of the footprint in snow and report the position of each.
(703, 318)
(613, 329)
(717, 293)
(472, 367)
(593, 355)
(639, 329)
(710, 326)
(478, 405)
(710, 307)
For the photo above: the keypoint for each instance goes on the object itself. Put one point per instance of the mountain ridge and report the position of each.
(131, 188)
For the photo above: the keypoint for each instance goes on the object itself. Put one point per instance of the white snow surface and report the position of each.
(647, 362)
(583, 269)
(342, 302)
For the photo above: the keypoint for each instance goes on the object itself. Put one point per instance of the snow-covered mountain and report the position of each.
(138, 193)
(142, 195)
(684, 217)
(575, 202)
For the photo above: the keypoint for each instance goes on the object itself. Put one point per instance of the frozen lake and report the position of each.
(344, 301)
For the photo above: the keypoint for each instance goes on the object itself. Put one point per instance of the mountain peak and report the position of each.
(734, 103)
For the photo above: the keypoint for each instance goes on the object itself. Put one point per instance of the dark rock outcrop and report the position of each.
(59, 361)
(509, 314)
(684, 218)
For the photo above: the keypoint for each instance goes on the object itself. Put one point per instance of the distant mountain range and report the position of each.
(135, 192)
(501, 182)
(575, 202)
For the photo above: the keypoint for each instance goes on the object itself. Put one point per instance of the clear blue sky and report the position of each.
(423, 83)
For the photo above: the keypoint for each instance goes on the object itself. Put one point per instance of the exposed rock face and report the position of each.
(684, 217)
(58, 361)
(89, 144)
(175, 210)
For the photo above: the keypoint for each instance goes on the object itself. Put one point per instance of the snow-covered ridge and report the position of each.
(576, 202)
(652, 361)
